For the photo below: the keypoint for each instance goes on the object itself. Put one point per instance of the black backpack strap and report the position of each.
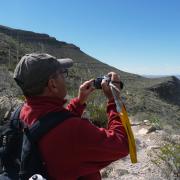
(46, 123)
(15, 117)
(33, 134)
(14, 121)
(10, 149)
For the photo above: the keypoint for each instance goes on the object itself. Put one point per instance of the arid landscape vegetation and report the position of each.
(153, 104)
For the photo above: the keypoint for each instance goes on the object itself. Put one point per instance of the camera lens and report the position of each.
(97, 83)
(98, 80)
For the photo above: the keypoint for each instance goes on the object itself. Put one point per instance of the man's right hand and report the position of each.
(115, 78)
(85, 90)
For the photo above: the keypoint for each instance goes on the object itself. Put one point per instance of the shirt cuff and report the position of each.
(77, 103)
(75, 107)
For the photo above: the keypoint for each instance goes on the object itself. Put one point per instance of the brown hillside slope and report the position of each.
(144, 97)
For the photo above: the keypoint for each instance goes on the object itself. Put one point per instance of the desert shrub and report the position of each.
(168, 159)
(3, 53)
(155, 121)
(96, 108)
(97, 114)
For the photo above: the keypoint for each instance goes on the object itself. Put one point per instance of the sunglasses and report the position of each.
(64, 72)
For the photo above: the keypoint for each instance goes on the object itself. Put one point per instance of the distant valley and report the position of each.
(159, 76)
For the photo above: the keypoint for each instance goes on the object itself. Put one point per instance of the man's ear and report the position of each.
(52, 85)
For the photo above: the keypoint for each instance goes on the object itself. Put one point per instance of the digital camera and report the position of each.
(98, 80)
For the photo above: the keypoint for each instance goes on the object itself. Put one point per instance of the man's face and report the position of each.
(59, 89)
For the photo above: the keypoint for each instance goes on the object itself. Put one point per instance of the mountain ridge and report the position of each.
(32, 36)
(138, 90)
(159, 76)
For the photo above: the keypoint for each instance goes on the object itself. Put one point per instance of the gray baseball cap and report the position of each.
(33, 70)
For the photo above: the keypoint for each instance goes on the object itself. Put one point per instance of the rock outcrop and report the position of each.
(168, 90)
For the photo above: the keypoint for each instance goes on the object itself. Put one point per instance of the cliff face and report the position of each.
(169, 90)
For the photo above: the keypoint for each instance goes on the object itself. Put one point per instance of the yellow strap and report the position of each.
(132, 145)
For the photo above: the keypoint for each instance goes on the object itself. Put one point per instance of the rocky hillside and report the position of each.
(15, 43)
(169, 90)
(145, 97)
(9, 92)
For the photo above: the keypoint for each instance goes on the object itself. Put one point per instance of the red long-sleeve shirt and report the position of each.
(76, 148)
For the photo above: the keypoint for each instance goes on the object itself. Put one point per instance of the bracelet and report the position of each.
(118, 82)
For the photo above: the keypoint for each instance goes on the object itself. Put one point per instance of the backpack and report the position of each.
(19, 155)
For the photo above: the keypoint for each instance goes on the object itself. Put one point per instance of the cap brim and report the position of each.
(66, 62)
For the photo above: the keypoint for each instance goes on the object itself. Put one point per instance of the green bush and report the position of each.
(155, 121)
(97, 114)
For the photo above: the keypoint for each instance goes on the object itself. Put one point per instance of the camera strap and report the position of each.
(121, 109)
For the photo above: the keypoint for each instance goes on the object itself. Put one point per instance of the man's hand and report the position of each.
(115, 79)
(85, 90)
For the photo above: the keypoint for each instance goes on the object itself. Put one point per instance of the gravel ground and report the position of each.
(145, 169)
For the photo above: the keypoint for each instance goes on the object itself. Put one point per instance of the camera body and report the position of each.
(98, 80)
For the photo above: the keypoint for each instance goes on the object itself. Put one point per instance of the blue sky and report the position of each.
(137, 36)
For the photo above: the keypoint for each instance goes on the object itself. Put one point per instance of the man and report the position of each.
(75, 149)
